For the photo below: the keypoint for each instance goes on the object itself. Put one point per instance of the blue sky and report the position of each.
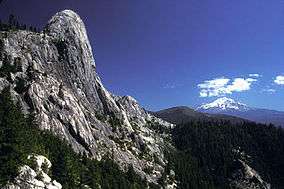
(160, 51)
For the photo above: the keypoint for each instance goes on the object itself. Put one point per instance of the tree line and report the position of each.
(20, 137)
(207, 153)
(13, 24)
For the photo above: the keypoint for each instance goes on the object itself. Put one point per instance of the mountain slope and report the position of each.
(224, 104)
(21, 142)
(52, 74)
(218, 154)
(231, 107)
(223, 151)
(183, 114)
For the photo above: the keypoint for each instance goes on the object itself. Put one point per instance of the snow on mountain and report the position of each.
(223, 104)
(228, 106)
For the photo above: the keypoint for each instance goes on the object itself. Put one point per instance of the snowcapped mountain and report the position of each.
(223, 104)
(231, 107)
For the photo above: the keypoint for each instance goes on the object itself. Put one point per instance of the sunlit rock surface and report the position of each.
(56, 80)
(36, 177)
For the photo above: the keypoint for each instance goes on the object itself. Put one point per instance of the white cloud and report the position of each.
(254, 75)
(214, 87)
(222, 86)
(203, 93)
(214, 83)
(240, 84)
(279, 80)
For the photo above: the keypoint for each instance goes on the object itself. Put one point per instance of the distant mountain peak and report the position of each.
(224, 104)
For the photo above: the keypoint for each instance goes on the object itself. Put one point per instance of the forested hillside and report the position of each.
(210, 153)
(183, 114)
(95, 139)
(19, 137)
(207, 155)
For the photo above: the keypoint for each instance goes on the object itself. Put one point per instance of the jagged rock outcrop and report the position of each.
(247, 178)
(35, 177)
(54, 76)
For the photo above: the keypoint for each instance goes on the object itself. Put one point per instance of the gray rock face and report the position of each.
(247, 178)
(36, 177)
(56, 80)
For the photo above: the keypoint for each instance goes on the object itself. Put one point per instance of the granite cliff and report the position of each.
(54, 77)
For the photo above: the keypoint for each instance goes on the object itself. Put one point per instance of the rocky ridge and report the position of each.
(248, 178)
(34, 177)
(53, 75)
(245, 176)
